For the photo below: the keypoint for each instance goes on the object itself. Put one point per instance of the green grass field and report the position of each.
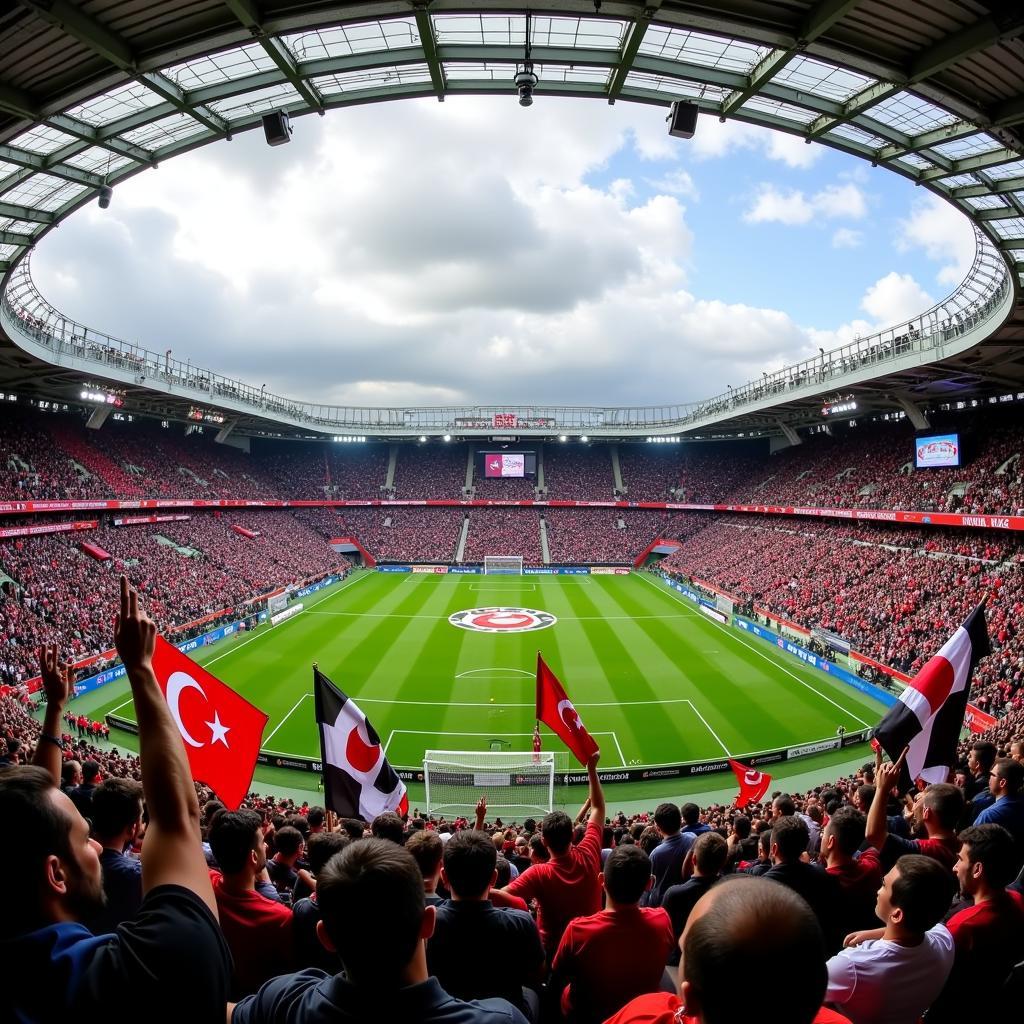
(655, 681)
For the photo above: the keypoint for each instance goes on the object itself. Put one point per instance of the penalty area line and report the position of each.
(718, 739)
(285, 719)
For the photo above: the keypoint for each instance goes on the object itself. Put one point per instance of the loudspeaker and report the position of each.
(277, 127)
(682, 121)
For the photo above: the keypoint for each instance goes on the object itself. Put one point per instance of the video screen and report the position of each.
(507, 464)
(937, 451)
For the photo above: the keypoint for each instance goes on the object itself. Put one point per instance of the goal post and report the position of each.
(514, 783)
(503, 565)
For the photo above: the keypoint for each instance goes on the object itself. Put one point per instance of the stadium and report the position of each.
(750, 578)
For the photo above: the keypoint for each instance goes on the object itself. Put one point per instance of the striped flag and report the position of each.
(358, 781)
(930, 712)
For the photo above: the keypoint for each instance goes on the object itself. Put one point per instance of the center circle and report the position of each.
(502, 619)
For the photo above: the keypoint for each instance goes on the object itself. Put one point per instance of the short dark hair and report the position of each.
(316, 817)
(556, 828)
(504, 868)
(923, 891)
(377, 884)
(233, 836)
(690, 813)
(288, 840)
(627, 872)
(388, 826)
(946, 802)
(866, 792)
(35, 828)
(90, 770)
(116, 804)
(849, 826)
(1012, 771)
(741, 826)
(322, 847)
(784, 804)
(537, 847)
(993, 847)
(668, 818)
(985, 753)
(754, 928)
(469, 863)
(710, 853)
(67, 771)
(791, 836)
(354, 827)
(426, 849)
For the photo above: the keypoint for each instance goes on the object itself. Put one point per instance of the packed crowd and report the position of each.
(504, 531)
(430, 472)
(599, 534)
(648, 474)
(406, 534)
(869, 904)
(578, 473)
(875, 586)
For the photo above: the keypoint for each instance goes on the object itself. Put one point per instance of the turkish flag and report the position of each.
(753, 784)
(556, 711)
(220, 729)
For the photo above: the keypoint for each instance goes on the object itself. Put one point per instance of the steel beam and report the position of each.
(425, 25)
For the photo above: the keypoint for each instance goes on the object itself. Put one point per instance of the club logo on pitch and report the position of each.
(502, 620)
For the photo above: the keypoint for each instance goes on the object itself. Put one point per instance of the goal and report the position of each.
(514, 783)
(503, 565)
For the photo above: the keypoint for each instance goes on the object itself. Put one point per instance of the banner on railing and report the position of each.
(140, 520)
(32, 531)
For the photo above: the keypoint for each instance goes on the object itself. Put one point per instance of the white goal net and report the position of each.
(515, 784)
(503, 565)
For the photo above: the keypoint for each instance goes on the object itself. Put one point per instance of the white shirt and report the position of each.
(882, 982)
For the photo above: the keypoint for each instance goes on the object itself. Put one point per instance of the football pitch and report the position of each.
(654, 681)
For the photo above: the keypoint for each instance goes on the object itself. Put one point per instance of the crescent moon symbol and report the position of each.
(560, 711)
(178, 682)
(752, 778)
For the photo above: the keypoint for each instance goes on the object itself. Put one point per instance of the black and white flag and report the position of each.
(358, 781)
(929, 714)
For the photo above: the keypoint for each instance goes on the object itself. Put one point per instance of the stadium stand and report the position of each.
(578, 473)
(578, 535)
(504, 531)
(430, 471)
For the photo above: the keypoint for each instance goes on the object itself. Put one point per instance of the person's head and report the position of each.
(522, 847)
(1017, 751)
(48, 851)
(288, 844)
(844, 832)
(353, 828)
(790, 837)
(710, 853)
(503, 871)
(529, 826)
(116, 811)
(741, 826)
(862, 797)
(627, 875)
(236, 839)
(746, 927)
(322, 846)
(690, 813)
(556, 830)
(388, 826)
(538, 850)
(210, 810)
(668, 819)
(373, 910)
(90, 772)
(315, 819)
(938, 808)
(764, 844)
(71, 773)
(426, 849)
(469, 865)
(915, 894)
(1006, 778)
(987, 859)
(981, 757)
(783, 807)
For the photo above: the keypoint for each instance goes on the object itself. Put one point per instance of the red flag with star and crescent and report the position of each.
(753, 784)
(220, 729)
(557, 712)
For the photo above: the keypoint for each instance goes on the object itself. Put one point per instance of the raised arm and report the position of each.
(481, 813)
(596, 797)
(886, 778)
(172, 852)
(57, 676)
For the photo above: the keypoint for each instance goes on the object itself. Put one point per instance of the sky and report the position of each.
(477, 252)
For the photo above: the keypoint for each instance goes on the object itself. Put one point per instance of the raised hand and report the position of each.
(889, 774)
(57, 675)
(134, 631)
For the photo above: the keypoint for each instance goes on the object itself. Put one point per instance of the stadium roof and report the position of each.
(95, 91)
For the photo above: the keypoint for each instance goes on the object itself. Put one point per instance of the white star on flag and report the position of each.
(219, 732)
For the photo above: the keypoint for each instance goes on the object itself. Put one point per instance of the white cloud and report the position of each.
(847, 238)
(676, 183)
(772, 205)
(715, 138)
(943, 233)
(895, 297)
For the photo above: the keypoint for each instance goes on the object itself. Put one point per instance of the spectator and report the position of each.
(70, 776)
(742, 844)
(388, 826)
(790, 837)
(709, 856)
(692, 825)
(763, 864)
(1006, 779)
(282, 867)
(988, 937)
(743, 928)
(258, 930)
(609, 958)
(893, 974)
(479, 950)
(82, 795)
(426, 849)
(567, 885)
(668, 856)
(116, 821)
(860, 876)
(979, 762)
(309, 951)
(377, 885)
(62, 971)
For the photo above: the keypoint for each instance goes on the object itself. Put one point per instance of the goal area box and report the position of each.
(503, 565)
(514, 783)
